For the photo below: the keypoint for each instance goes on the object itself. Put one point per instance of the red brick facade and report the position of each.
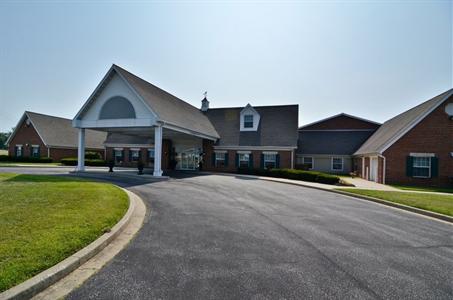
(433, 135)
(27, 136)
(285, 159)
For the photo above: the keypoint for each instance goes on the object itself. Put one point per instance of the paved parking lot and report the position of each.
(221, 237)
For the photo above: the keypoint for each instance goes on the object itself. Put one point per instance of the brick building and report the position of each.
(328, 145)
(39, 135)
(414, 148)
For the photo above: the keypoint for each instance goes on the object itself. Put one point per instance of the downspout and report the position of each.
(292, 159)
(383, 167)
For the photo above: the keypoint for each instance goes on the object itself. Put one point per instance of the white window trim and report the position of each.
(312, 161)
(243, 152)
(134, 149)
(274, 161)
(422, 154)
(220, 151)
(428, 167)
(331, 163)
(270, 152)
(249, 110)
(119, 149)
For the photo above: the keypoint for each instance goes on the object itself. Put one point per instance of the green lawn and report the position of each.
(442, 204)
(44, 219)
(424, 189)
(31, 164)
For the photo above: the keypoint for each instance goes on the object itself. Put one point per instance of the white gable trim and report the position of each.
(100, 87)
(21, 120)
(249, 110)
(413, 124)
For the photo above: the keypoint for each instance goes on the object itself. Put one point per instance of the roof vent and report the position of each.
(449, 110)
(205, 102)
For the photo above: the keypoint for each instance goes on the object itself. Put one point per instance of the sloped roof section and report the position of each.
(277, 127)
(395, 128)
(341, 121)
(58, 132)
(169, 108)
(330, 142)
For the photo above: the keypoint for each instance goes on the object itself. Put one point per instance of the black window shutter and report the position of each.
(250, 160)
(15, 151)
(130, 155)
(409, 166)
(277, 161)
(213, 159)
(237, 160)
(226, 159)
(122, 155)
(262, 161)
(39, 152)
(434, 167)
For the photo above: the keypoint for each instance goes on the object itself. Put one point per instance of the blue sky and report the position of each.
(373, 59)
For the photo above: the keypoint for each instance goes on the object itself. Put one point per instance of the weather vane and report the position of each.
(205, 94)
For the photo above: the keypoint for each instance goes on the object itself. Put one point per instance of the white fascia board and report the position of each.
(101, 85)
(262, 148)
(114, 123)
(412, 125)
(122, 145)
(18, 126)
(137, 94)
(188, 131)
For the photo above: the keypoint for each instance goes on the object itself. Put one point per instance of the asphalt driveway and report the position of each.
(221, 237)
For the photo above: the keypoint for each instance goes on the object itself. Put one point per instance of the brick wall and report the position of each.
(285, 159)
(166, 148)
(434, 134)
(342, 122)
(26, 135)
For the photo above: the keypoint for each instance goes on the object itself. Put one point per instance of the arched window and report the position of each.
(117, 108)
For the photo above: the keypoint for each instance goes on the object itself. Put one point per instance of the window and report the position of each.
(220, 159)
(244, 160)
(135, 155)
(118, 154)
(248, 121)
(35, 151)
(307, 162)
(337, 164)
(421, 167)
(270, 160)
(18, 150)
(151, 154)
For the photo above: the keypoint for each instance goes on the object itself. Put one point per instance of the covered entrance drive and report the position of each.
(144, 123)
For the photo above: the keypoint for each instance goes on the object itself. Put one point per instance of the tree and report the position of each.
(3, 138)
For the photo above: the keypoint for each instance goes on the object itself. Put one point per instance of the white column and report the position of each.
(81, 150)
(158, 151)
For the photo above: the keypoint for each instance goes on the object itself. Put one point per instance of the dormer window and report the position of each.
(248, 121)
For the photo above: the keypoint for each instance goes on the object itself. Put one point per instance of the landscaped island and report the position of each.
(44, 219)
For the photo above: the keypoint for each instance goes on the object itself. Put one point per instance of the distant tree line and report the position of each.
(3, 138)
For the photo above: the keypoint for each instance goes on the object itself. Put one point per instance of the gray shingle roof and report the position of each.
(396, 127)
(118, 138)
(169, 108)
(331, 142)
(58, 132)
(277, 127)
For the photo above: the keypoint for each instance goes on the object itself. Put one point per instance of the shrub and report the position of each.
(72, 161)
(25, 159)
(293, 174)
(92, 155)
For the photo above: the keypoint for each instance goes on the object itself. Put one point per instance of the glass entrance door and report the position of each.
(189, 159)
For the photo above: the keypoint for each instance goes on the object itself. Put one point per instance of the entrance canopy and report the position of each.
(125, 104)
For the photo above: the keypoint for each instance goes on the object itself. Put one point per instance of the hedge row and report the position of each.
(72, 161)
(293, 174)
(25, 159)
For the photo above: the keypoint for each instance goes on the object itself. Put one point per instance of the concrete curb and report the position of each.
(41, 281)
(398, 205)
(360, 197)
